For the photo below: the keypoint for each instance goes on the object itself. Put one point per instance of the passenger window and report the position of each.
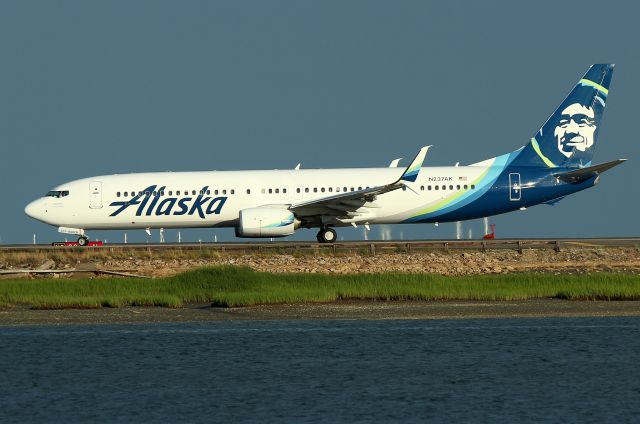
(306, 189)
(170, 193)
(330, 189)
(126, 194)
(146, 193)
(437, 187)
(248, 191)
(322, 189)
(458, 187)
(208, 192)
(422, 188)
(193, 192)
(344, 189)
(473, 187)
(177, 192)
(444, 187)
(284, 190)
(277, 190)
(429, 188)
(465, 186)
(359, 188)
(353, 189)
(451, 187)
(216, 192)
(337, 189)
(297, 190)
(233, 191)
(263, 191)
(224, 191)
(315, 189)
(118, 194)
(270, 191)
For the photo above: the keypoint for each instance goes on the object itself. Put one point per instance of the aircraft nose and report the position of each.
(34, 210)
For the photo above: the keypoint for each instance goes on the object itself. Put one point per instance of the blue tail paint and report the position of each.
(555, 163)
(568, 137)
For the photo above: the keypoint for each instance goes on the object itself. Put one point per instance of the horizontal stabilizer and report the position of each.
(582, 174)
(554, 201)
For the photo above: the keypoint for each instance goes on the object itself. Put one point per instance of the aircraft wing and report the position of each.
(345, 204)
(582, 174)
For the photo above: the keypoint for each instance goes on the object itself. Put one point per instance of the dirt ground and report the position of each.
(361, 310)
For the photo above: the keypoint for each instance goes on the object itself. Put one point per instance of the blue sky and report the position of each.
(89, 88)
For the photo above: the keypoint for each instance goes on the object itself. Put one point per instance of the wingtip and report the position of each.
(411, 172)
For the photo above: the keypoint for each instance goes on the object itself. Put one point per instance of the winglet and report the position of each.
(411, 173)
(394, 163)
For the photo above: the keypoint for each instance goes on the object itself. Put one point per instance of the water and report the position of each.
(494, 370)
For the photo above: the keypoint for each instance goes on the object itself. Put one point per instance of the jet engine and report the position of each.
(265, 222)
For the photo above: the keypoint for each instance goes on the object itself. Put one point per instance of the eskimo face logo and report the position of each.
(576, 129)
(149, 205)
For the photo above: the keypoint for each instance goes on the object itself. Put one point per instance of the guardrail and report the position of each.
(367, 247)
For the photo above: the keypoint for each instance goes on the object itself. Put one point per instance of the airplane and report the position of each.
(555, 163)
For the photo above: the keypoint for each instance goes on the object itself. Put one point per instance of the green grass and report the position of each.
(238, 286)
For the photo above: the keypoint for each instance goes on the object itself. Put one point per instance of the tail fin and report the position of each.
(568, 138)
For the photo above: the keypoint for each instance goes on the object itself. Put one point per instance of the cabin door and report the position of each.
(515, 189)
(95, 195)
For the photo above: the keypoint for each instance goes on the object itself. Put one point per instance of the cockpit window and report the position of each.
(58, 193)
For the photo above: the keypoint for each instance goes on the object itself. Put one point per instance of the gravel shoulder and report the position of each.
(571, 260)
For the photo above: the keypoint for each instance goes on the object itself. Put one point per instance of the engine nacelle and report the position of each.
(265, 222)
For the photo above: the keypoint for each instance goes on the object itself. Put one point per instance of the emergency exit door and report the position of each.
(95, 195)
(515, 189)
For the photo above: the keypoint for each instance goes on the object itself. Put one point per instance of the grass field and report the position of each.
(230, 286)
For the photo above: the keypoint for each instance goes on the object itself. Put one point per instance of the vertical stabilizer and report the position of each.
(568, 138)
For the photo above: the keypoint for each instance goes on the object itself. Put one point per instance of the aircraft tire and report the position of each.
(327, 235)
(82, 241)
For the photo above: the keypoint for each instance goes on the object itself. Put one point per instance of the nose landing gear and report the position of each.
(83, 241)
(327, 235)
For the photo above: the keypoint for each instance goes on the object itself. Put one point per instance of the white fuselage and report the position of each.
(173, 200)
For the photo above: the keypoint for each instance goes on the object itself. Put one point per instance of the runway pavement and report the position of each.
(370, 246)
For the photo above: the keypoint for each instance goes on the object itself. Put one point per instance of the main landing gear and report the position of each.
(327, 235)
(83, 240)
